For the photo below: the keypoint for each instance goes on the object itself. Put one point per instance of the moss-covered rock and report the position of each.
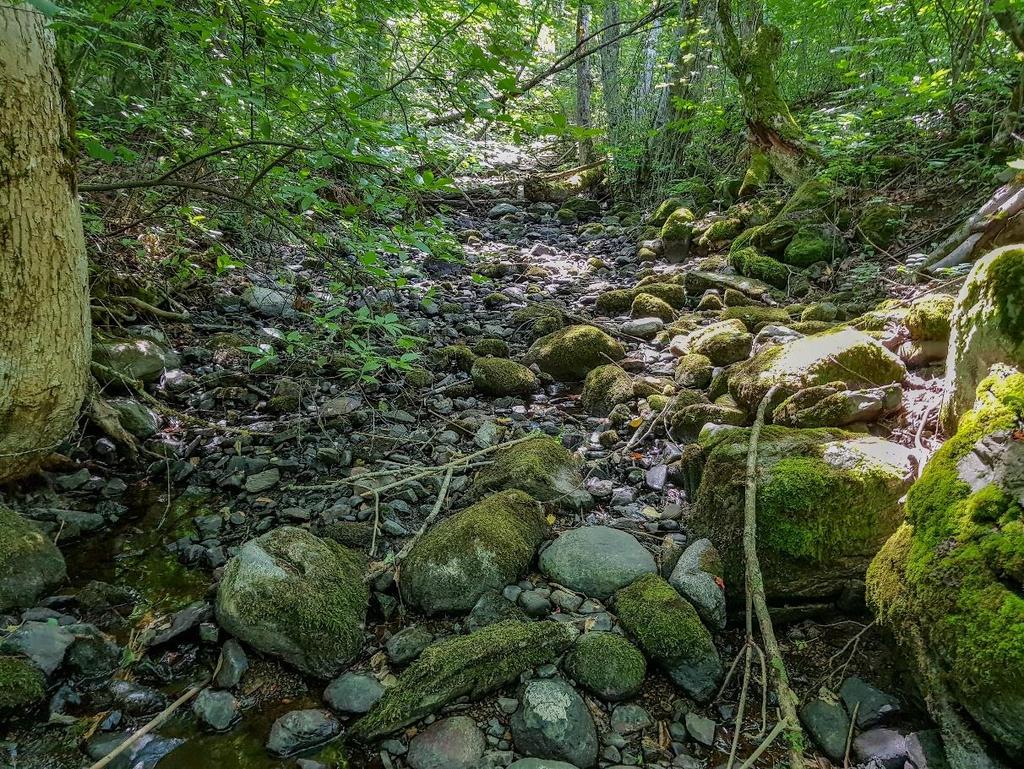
(607, 665)
(753, 264)
(832, 405)
(721, 231)
(688, 421)
(538, 319)
(497, 348)
(463, 666)
(22, 685)
(676, 234)
(840, 355)
(619, 301)
(826, 501)
(754, 316)
(457, 356)
(30, 564)
(663, 211)
(948, 584)
(135, 359)
(694, 370)
(725, 342)
(928, 318)
(819, 311)
(416, 377)
(814, 243)
(481, 548)
(671, 634)
(697, 282)
(541, 466)
(987, 328)
(569, 354)
(880, 224)
(759, 171)
(649, 306)
(293, 595)
(604, 388)
(500, 376)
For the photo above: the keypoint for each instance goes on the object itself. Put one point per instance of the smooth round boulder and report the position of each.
(353, 693)
(30, 564)
(296, 596)
(553, 721)
(596, 560)
(451, 743)
(301, 730)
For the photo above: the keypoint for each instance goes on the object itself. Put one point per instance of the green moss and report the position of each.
(752, 264)
(813, 243)
(721, 230)
(694, 370)
(666, 627)
(618, 301)
(29, 562)
(963, 550)
(880, 224)
(604, 388)
(541, 466)
(463, 666)
(687, 422)
(754, 316)
(324, 630)
(22, 684)
(484, 547)
(758, 172)
(607, 665)
(663, 211)
(569, 354)
(824, 312)
(649, 306)
(457, 356)
(417, 376)
(678, 227)
(929, 316)
(1005, 285)
(500, 376)
(495, 347)
(723, 343)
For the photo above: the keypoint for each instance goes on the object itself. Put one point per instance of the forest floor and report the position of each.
(237, 452)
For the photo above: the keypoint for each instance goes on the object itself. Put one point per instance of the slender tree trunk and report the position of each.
(1013, 28)
(772, 128)
(44, 306)
(646, 85)
(610, 70)
(583, 84)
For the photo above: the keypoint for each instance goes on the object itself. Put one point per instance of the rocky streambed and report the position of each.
(560, 486)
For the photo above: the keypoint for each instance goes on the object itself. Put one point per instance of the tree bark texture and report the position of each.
(610, 70)
(583, 84)
(44, 307)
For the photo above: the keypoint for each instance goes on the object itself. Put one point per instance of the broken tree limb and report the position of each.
(998, 222)
(756, 595)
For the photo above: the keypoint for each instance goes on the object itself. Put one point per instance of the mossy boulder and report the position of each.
(929, 317)
(607, 665)
(832, 405)
(663, 211)
(538, 319)
(688, 421)
(814, 243)
(840, 355)
(725, 342)
(569, 354)
(497, 348)
(541, 466)
(880, 224)
(500, 376)
(669, 631)
(753, 264)
(721, 231)
(293, 595)
(697, 282)
(457, 356)
(620, 300)
(754, 315)
(948, 584)
(676, 234)
(481, 548)
(140, 360)
(649, 306)
(604, 388)
(759, 171)
(30, 564)
(463, 666)
(22, 685)
(694, 370)
(826, 501)
(819, 312)
(987, 328)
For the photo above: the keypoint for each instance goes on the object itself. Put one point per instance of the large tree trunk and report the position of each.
(44, 307)
(772, 128)
(583, 84)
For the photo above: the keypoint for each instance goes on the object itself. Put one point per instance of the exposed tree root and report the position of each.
(998, 222)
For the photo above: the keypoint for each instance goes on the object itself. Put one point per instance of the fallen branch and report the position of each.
(756, 596)
(146, 307)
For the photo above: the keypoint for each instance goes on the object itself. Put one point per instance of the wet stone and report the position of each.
(353, 693)
(451, 743)
(217, 710)
(300, 730)
(406, 645)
